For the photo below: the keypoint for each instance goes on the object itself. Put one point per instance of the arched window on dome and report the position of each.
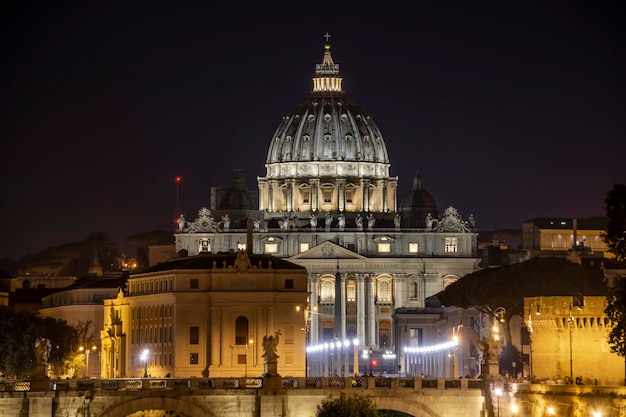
(305, 197)
(328, 196)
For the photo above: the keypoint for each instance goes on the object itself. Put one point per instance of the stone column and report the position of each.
(365, 184)
(289, 193)
(270, 196)
(360, 308)
(341, 194)
(383, 190)
(314, 323)
(371, 311)
(216, 321)
(315, 184)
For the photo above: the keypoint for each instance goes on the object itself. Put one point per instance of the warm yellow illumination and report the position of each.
(384, 247)
(413, 247)
(271, 248)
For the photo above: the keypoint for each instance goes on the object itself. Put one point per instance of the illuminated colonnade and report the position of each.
(432, 361)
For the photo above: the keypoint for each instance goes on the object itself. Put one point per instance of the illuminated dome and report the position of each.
(327, 155)
(327, 126)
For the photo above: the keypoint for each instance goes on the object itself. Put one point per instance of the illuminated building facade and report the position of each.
(206, 315)
(328, 202)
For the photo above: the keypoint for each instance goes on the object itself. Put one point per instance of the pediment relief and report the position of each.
(328, 250)
(383, 239)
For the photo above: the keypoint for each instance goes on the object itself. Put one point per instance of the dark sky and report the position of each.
(509, 112)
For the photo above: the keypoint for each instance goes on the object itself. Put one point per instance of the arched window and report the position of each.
(328, 287)
(351, 291)
(241, 330)
(384, 290)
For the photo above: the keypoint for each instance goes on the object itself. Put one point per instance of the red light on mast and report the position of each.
(179, 179)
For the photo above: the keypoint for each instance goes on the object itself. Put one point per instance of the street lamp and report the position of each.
(144, 358)
(250, 342)
(307, 318)
(514, 409)
(87, 352)
(498, 394)
(371, 351)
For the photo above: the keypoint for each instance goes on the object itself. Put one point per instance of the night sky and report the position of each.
(509, 112)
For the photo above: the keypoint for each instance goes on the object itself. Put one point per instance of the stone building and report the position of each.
(206, 315)
(328, 202)
(569, 340)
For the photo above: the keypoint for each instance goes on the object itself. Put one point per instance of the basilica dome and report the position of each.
(327, 155)
(327, 126)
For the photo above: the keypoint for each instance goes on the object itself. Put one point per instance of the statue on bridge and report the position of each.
(42, 350)
(270, 343)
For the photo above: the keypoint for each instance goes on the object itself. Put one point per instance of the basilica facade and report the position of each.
(328, 202)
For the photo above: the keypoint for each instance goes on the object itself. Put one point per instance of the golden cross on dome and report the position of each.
(327, 36)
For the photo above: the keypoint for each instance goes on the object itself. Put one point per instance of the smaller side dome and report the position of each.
(417, 204)
(235, 196)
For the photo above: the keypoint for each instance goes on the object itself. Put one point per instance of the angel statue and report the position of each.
(269, 347)
(42, 350)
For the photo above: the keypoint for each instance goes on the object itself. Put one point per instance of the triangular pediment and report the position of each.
(327, 250)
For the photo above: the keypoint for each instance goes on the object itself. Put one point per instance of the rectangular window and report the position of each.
(305, 194)
(414, 337)
(194, 284)
(205, 245)
(194, 335)
(384, 247)
(327, 196)
(413, 247)
(193, 359)
(271, 247)
(451, 245)
(304, 247)
(241, 359)
(350, 195)
(289, 335)
(289, 284)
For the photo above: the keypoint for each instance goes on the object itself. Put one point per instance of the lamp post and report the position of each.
(371, 351)
(249, 342)
(355, 343)
(87, 352)
(307, 318)
(498, 394)
(144, 358)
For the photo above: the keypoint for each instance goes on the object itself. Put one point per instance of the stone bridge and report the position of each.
(236, 397)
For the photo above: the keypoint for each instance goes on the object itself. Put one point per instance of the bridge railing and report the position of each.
(156, 384)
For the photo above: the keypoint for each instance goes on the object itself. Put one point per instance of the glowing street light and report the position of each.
(498, 395)
(144, 358)
(82, 349)
(250, 342)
